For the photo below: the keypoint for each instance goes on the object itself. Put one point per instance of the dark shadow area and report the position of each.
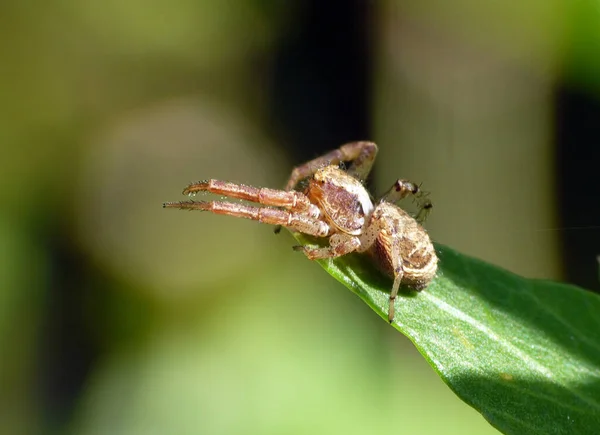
(321, 78)
(578, 160)
(68, 352)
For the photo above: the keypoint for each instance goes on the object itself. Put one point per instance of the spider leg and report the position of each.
(404, 188)
(295, 201)
(273, 216)
(381, 238)
(361, 154)
(339, 244)
(398, 275)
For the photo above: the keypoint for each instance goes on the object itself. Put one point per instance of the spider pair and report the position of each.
(335, 205)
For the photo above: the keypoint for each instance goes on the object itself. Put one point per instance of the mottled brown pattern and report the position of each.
(419, 261)
(341, 208)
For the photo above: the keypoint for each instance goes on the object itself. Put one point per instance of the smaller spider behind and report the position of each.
(335, 205)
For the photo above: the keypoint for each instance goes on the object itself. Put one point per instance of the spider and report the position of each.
(335, 205)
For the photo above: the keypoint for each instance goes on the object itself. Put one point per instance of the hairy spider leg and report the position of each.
(361, 154)
(272, 216)
(382, 237)
(295, 201)
(398, 275)
(401, 189)
(339, 244)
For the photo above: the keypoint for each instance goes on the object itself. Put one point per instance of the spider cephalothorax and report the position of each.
(335, 205)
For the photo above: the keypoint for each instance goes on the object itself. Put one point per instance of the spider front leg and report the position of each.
(295, 201)
(404, 188)
(299, 222)
(362, 155)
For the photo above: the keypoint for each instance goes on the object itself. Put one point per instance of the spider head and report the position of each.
(343, 200)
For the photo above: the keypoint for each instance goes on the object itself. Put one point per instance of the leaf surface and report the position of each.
(525, 353)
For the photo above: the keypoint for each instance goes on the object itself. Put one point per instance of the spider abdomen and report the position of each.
(418, 260)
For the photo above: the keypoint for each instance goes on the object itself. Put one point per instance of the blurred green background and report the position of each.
(119, 317)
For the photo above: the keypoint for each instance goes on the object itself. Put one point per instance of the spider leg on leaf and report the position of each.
(339, 244)
(381, 238)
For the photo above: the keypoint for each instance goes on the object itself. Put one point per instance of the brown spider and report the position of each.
(336, 205)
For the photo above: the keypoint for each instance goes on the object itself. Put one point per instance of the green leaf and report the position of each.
(525, 353)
